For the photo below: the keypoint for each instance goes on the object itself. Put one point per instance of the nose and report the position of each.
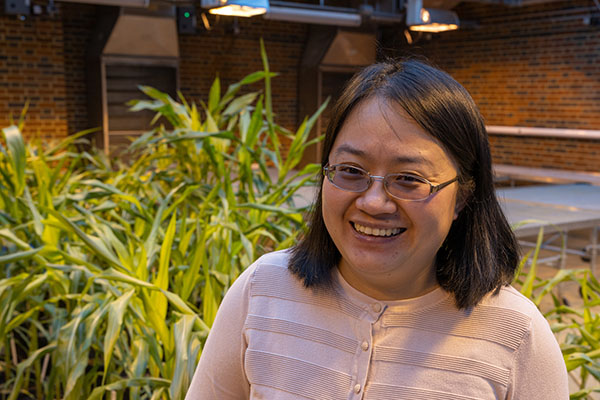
(375, 200)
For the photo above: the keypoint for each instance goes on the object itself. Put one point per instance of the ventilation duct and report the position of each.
(330, 58)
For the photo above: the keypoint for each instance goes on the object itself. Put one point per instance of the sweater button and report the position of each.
(357, 388)
(376, 307)
(364, 345)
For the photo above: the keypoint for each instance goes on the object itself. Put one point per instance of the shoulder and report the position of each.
(512, 306)
(538, 370)
(512, 311)
(510, 298)
(268, 265)
(270, 268)
(537, 349)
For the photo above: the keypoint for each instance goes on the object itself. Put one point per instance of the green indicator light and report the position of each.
(186, 14)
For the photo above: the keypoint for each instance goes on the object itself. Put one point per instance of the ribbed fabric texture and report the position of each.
(274, 339)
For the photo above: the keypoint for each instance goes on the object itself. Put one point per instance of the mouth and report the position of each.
(377, 232)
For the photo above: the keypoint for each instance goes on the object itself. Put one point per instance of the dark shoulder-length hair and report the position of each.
(480, 253)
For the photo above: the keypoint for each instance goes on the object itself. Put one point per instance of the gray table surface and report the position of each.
(572, 196)
(556, 208)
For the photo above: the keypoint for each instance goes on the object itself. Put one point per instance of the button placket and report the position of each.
(363, 354)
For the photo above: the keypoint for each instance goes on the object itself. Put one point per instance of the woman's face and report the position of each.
(381, 138)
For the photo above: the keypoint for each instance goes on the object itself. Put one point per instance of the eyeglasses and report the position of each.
(401, 186)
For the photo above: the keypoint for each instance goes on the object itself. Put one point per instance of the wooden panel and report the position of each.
(122, 83)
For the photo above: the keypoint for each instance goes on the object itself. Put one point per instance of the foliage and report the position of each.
(110, 274)
(577, 328)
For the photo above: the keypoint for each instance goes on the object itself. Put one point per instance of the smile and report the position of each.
(383, 232)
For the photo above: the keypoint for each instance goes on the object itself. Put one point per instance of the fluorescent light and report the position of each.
(237, 8)
(429, 19)
(434, 28)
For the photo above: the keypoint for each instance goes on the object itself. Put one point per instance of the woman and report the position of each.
(400, 288)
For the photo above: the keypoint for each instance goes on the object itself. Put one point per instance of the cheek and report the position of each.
(334, 205)
(437, 217)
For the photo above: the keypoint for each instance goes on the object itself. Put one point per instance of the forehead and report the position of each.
(379, 131)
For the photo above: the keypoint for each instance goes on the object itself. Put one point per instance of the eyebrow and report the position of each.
(347, 149)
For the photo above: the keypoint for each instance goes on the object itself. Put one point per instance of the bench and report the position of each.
(513, 173)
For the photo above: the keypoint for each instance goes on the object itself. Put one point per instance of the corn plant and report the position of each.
(576, 328)
(111, 272)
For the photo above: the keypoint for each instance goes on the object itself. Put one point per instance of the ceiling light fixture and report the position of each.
(429, 19)
(236, 8)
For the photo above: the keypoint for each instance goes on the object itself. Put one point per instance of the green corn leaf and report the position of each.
(214, 96)
(157, 323)
(582, 394)
(150, 244)
(116, 311)
(114, 275)
(265, 207)
(198, 259)
(93, 243)
(9, 235)
(20, 255)
(17, 157)
(240, 103)
(38, 226)
(162, 277)
(269, 105)
(182, 375)
(68, 141)
(256, 124)
(527, 288)
(297, 146)
(209, 301)
(247, 80)
(140, 357)
(114, 190)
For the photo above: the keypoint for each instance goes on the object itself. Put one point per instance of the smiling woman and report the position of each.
(401, 287)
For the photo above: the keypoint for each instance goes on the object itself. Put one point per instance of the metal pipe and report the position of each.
(312, 16)
(544, 132)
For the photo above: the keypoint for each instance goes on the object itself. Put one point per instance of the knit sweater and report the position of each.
(275, 339)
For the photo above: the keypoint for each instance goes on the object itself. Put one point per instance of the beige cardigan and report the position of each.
(274, 339)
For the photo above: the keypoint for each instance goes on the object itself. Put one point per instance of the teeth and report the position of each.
(377, 231)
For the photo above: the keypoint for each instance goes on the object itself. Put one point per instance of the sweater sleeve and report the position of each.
(539, 371)
(220, 373)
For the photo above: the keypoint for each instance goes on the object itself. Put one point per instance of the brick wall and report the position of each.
(535, 66)
(32, 67)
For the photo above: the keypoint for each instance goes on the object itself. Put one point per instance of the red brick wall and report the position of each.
(32, 67)
(535, 66)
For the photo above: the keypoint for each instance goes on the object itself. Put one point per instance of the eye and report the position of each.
(349, 170)
(406, 180)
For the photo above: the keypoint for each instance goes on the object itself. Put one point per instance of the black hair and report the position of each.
(480, 253)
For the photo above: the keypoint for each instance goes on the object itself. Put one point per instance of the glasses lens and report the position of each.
(348, 177)
(407, 187)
